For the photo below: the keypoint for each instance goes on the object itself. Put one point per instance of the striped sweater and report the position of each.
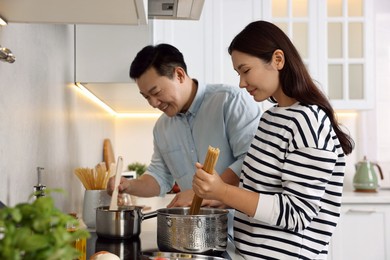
(297, 165)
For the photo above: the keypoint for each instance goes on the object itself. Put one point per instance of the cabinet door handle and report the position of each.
(361, 211)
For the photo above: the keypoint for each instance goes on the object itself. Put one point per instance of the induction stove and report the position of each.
(131, 249)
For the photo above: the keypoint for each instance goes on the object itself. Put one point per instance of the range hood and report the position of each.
(175, 9)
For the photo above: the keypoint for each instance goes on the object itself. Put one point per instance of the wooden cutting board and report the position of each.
(108, 153)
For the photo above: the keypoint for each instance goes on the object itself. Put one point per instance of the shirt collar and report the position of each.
(197, 100)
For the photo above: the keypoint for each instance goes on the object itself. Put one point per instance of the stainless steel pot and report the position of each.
(123, 223)
(177, 231)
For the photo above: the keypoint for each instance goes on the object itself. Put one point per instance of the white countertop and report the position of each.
(380, 197)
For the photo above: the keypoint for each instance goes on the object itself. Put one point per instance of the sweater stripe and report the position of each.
(296, 164)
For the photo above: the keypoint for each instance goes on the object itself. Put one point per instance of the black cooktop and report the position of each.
(131, 249)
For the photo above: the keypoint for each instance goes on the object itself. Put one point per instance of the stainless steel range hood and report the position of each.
(175, 9)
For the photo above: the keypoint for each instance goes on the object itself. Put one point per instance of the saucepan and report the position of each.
(177, 230)
(123, 223)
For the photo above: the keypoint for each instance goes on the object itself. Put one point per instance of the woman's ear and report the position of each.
(278, 59)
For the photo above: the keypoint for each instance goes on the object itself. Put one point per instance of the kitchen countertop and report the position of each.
(380, 197)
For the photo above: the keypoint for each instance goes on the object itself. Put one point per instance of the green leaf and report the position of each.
(38, 231)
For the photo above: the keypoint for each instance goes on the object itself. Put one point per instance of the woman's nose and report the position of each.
(242, 83)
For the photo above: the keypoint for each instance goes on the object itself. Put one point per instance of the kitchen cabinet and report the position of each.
(335, 40)
(103, 54)
(363, 231)
(75, 12)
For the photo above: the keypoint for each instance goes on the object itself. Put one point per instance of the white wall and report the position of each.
(44, 121)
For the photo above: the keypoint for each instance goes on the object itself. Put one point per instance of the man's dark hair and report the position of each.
(163, 57)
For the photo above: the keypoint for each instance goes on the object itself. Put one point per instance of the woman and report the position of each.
(288, 200)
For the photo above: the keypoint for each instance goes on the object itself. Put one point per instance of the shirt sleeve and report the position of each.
(305, 175)
(242, 118)
(159, 171)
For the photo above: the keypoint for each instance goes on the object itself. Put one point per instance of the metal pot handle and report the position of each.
(149, 215)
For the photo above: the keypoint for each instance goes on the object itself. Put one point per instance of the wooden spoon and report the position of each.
(118, 175)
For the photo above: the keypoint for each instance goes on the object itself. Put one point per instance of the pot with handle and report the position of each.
(122, 223)
(177, 230)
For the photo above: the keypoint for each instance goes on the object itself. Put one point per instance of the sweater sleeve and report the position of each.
(307, 167)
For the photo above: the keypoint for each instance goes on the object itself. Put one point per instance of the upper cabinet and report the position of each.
(103, 53)
(130, 12)
(335, 39)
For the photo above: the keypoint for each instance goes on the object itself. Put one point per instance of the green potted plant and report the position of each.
(37, 230)
(138, 167)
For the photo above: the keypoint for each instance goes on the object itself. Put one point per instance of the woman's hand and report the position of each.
(208, 186)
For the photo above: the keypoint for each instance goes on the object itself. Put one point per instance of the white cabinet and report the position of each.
(335, 40)
(75, 12)
(363, 231)
(104, 52)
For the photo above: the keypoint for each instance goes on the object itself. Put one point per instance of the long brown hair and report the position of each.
(261, 39)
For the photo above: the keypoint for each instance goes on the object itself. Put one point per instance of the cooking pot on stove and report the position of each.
(365, 179)
(206, 232)
(123, 223)
(177, 231)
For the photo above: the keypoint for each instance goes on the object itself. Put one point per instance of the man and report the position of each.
(195, 116)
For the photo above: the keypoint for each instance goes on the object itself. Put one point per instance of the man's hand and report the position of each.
(182, 199)
(123, 185)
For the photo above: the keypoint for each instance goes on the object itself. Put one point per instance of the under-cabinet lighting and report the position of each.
(103, 105)
(95, 99)
(3, 22)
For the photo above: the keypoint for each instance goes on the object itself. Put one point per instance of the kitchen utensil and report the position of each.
(108, 153)
(209, 165)
(365, 179)
(92, 200)
(178, 231)
(118, 175)
(122, 223)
